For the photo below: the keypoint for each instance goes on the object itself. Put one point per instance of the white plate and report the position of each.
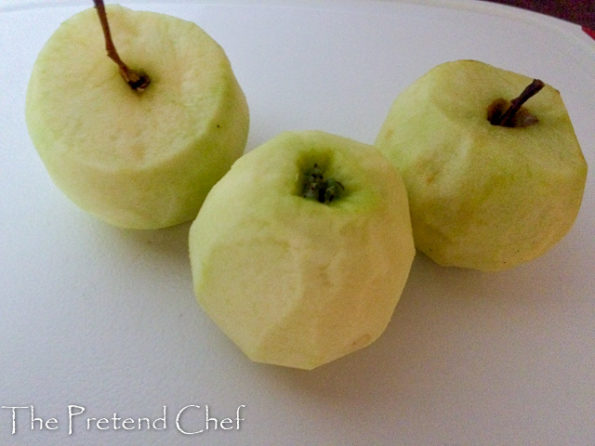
(105, 319)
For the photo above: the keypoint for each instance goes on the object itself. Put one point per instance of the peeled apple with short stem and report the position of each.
(492, 183)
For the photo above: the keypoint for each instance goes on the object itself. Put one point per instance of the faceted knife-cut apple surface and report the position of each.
(483, 196)
(140, 160)
(293, 280)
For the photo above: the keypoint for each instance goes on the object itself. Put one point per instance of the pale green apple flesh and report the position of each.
(484, 196)
(138, 160)
(297, 278)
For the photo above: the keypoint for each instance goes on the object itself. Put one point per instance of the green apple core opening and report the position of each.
(316, 187)
(511, 114)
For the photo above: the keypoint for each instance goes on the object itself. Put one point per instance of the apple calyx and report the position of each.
(136, 80)
(505, 114)
(318, 188)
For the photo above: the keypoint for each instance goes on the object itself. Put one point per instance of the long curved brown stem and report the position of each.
(137, 81)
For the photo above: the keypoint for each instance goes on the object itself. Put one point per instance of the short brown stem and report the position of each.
(137, 81)
(507, 119)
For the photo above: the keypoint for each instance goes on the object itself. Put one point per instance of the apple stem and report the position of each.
(137, 81)
(506, 119)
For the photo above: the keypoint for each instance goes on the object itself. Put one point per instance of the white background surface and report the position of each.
(105, 319)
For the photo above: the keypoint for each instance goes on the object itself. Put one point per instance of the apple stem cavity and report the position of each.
(512, 115)
(320, 189)
(137, 81)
